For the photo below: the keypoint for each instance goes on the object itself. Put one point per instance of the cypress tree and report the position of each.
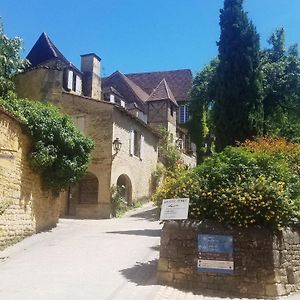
(238, 108)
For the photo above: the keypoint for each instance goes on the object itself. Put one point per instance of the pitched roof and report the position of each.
(179, 81)
(130, 91)
(162, 92)
(44, 50)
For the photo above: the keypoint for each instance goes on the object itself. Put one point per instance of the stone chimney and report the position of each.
(90, 67)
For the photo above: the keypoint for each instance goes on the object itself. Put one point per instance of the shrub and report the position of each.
(239, 188)
(60, 153)
(181, 183)
(277, 147)
(119, 204)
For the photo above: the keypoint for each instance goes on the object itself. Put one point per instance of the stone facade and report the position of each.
(138, 169)
(24, 207)
(103, 122)
(266, 264)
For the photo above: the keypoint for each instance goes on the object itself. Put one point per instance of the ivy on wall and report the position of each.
(60, 153)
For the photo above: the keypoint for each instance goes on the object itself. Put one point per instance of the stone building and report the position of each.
(118, 111)
(24, 207)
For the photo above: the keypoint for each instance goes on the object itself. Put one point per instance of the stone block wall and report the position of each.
(266, 263)
(24, 207)
(138, 169)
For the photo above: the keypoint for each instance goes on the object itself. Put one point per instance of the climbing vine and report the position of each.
(60, 153)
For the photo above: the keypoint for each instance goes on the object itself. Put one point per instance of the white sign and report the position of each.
(175, 209)
(215, 264)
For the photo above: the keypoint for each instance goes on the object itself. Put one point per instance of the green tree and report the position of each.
(281, 88)
(167, 153)
(202, 98)
(238, 108)
(10, 62)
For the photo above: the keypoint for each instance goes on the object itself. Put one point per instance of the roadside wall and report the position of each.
(24, 207)
(266, 264)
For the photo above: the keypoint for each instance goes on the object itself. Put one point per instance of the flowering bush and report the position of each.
(239, 188)
(277, 147)
(179, 183)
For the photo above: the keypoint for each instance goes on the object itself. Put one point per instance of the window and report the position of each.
(72, 81)
(172, 110)
(137, 143)
(184, 114)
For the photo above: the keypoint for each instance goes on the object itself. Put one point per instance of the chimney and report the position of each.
(90, 67)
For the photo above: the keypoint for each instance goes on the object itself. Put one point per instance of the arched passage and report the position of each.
(88, 189)
(125, 187)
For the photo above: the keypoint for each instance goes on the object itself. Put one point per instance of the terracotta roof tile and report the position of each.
(179, 81)
(128, 89)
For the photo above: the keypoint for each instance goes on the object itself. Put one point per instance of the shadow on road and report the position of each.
(142, 273)
(143, 232)
(150, 215)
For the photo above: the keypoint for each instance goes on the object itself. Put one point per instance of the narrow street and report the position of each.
(85, 259)
(89, 259)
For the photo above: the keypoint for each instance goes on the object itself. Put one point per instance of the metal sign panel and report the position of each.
(215, 253)
(175, 209)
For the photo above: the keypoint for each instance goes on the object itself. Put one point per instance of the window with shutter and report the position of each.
(131, 143)
(142, 147)
(70, 80)
(78, 86)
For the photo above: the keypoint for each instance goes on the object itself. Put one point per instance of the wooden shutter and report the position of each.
(131, 142)
(142, 147)
(70, 80)
(78, 85)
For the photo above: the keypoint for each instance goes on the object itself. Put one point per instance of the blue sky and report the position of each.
(140, 35)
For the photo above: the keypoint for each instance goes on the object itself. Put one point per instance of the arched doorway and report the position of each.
(125, 188)
(84, 192)
(88, 189)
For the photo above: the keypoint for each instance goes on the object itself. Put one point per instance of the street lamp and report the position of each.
(117, 144)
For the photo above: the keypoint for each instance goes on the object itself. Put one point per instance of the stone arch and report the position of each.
(88, 189)
(125, 187)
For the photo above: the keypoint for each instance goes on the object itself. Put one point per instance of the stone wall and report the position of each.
(266, 264)
(24, 207)
(138, 169)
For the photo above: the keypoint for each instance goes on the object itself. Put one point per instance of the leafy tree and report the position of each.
(167, 152)
(202, 97)
(281, 88)
(10, 62)
(238, 108)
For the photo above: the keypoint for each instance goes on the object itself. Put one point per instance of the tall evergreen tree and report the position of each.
(238, 108)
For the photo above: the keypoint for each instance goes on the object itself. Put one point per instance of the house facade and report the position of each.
(115, 112)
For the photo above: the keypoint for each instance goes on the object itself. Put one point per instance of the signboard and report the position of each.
(215, 253)
(175, 209)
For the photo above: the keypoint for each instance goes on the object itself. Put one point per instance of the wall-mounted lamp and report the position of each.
(117, 144)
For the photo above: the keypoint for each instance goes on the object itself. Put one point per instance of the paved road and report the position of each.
(89, 259)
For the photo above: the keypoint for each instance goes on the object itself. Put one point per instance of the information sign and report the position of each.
(215, 253)
(175, 209)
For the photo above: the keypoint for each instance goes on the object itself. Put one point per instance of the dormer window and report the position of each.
(72, 82)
